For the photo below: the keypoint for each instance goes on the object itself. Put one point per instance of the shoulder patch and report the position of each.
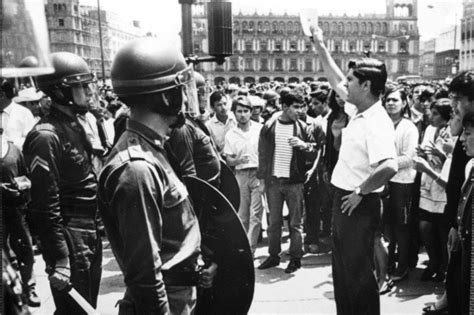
(39, 163)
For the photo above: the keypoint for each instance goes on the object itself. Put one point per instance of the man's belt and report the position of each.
(182, 277)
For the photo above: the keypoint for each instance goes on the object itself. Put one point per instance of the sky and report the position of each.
(163, 17)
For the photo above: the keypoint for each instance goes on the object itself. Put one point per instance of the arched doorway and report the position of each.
(219, 81)
(263, 79)
(293, 80)
(234, 80)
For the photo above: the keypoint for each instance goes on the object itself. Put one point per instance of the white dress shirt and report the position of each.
(368, 139)
(239, 143)
(17, 121)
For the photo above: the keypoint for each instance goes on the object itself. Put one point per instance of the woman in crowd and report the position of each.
(434, 164)
(397, 205)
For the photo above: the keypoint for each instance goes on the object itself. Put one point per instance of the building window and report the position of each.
(264, 64)
(308, 65)
(293, 64)
(293, 46)
(274, 27)
(308, 46)
(248, 46)
(402, 66)
(234, 64)
(278, 64)
(278, 46)
(197, 48)
(352, 47)
(60, 22)
(403, 48)
(263, 45)
(337, 48)
(381, 48)
(248, 64)
(236, 46)
(251, 27)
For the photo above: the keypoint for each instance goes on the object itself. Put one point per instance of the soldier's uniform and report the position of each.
(63, 207)
(195, 151)
(151, 225)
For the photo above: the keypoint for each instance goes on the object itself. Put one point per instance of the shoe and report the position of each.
(269, 263)
(427, 274)
(294, 265)
(399, 275)
(431, 309)
(311, 248)
(33, 298)
(386, 287)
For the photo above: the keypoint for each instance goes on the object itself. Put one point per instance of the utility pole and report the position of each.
(100, 41)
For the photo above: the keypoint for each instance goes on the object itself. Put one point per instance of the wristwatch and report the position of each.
(357, 191)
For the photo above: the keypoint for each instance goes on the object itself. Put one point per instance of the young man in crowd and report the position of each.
(366, 162)
(222, 121)
(241, 151)
(281, 169)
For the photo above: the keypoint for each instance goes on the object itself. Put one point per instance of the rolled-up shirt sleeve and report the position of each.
(135, 204)
(380, 144)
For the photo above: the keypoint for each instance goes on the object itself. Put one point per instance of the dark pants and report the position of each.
(434, 233)
(85, 258)
(279, 191)
(454, 281)
(396, 216)
(17, 236)
(355, 287)
(414, 224)
(317, 210)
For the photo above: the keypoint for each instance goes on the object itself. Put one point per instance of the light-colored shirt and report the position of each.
(17, 121)
(239, 143)
(323, 121)
(368, 139)
(283, 151)
(218, 129)
(406, 141)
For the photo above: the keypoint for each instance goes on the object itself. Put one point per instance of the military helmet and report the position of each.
(69, 69)
(148, 66)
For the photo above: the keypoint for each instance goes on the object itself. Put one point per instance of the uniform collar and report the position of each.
(149, 134)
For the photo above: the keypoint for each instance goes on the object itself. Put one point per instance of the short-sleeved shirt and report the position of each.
(16, 121)
(218, 129)
(368, 139)
(240, 143)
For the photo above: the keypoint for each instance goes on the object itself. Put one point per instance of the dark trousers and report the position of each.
(355, 287)
(454, 283)
(317, 210)
(17, 237)
(85, 258)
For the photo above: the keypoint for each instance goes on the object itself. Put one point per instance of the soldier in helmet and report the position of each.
(152, 227)
(63, 207)
(271, 106)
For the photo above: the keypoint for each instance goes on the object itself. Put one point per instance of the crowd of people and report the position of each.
(368, 169)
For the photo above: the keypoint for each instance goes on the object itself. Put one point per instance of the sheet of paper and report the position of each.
(308, 18)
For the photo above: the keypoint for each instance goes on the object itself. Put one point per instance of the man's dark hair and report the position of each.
(468, 120)
(427, 94)
(215, 97)
(321, 95)
(292, 97)
(372, 70)
(7, 88)
(241, 101)
(463, 84)
(443, 106)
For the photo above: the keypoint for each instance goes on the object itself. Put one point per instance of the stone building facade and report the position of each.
(466, 60)
(74, 28)
(269, 47)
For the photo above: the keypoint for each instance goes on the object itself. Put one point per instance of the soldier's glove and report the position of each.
(59, 277)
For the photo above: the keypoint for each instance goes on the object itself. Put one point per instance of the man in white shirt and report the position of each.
(222, 121)
(17, 120)
(366, 162)
(241, 151)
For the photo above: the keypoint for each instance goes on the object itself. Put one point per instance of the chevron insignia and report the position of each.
(39, 162)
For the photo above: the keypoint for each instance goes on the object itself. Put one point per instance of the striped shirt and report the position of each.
(283, 151)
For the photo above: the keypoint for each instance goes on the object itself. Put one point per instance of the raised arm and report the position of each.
(334, 74)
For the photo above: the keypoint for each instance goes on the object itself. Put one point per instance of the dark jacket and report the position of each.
(63, 184)
(266, 149)
(455, 181)
(148, 216)
(195, 151)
